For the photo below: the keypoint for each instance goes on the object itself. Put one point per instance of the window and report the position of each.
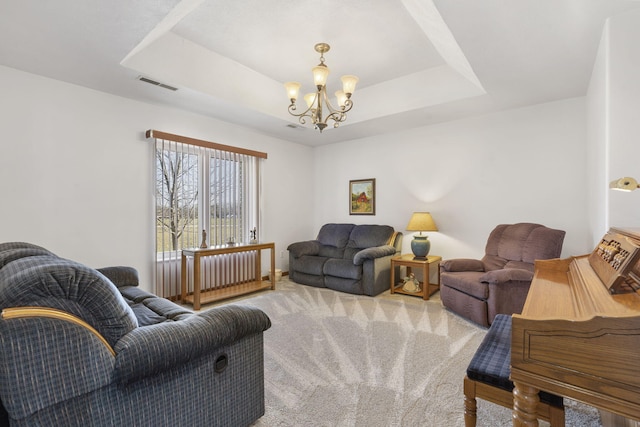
(200, 186)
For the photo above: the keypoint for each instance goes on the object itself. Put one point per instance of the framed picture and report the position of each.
(362, 195)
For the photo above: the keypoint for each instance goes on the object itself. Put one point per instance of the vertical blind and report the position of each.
(200, 187)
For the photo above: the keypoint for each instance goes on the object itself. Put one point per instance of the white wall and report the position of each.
(623, 125)
(522, 165)
(76, 172)
(597, 178)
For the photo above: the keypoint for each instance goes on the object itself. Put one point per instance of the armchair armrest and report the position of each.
(506, 275)
(462, 264)
(310, 247)
(372, 253)
(150, 349)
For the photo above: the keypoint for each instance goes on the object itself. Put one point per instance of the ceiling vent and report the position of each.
(153, 82)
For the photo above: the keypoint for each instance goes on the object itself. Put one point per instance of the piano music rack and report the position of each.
(616, 261)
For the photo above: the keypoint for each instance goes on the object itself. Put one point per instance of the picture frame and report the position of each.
(362, 196)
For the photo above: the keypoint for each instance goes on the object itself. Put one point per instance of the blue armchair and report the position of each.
(85, 347)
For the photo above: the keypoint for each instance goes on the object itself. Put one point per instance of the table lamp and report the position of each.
(421, 221)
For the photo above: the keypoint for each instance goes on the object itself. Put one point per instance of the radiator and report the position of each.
(216, 272)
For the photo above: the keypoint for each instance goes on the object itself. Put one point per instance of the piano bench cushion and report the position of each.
(491, 364)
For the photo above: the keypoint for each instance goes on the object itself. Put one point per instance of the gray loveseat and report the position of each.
(346, 257)
(82, 347)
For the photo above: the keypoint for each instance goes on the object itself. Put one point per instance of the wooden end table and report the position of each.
(410, 261)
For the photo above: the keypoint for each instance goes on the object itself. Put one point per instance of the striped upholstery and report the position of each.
(54, 372)
(49, 281)
(491, 364)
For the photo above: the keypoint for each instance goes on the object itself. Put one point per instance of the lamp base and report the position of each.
(420, 246)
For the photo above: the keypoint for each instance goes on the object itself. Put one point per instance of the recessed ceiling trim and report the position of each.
(182, 9)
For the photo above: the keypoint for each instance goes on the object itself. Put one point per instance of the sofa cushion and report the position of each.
(520, 265)
(505, 275)
(467, 282)
(543, 243)
(121, 276)
(513, 239)
(330, 251)
(369, 236)
(342, 268)
(462, 264)
(310, 264)
(344, 285)
(493, 262)
(524, 242)
(151, 309)
(336, 235)
(49, 281)
(12, 251)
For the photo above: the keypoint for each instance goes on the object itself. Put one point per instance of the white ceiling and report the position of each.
(419, 61)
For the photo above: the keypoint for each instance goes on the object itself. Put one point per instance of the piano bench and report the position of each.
(488, 377)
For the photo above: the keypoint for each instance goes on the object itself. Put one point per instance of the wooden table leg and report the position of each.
(258, 272)
(525, 404)
(183, 279)
(425, 281)
(196, 282)
(393, 277)
(273, 267)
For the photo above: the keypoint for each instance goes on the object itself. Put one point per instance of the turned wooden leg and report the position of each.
(470, 406)
(525, 403)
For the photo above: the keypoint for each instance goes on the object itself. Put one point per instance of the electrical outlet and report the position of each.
(281, 254)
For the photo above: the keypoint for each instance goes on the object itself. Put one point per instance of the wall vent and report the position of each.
(153, 82)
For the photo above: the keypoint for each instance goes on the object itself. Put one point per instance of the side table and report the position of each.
(229, 290)
(410, 262)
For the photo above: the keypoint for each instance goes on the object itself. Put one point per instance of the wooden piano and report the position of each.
(579, 332)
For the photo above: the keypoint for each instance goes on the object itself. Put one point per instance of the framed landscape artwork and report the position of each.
(362, 194)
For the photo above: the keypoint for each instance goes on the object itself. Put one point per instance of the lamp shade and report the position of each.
(292, 88)
(624, 184)
(421, 221)
(341, 97)
(310, 98)
(320, 74)
(349, 84)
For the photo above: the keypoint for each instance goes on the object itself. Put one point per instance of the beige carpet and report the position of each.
(335, 359)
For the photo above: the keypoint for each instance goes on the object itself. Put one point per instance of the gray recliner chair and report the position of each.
(347, 258)
(84, 347)
(498, 283)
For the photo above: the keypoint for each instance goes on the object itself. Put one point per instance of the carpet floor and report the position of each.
(335, 359)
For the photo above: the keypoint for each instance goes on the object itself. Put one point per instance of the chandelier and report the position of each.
(318, 102)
